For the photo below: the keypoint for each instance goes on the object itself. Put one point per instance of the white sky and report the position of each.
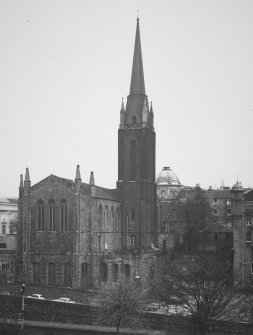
(64, 66)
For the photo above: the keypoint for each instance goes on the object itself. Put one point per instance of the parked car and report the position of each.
(63, 299)
(36, 296)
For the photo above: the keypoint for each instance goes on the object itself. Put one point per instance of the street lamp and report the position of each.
(22, 291)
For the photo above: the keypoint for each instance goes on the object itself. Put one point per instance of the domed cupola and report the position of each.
(237, 186)
(168, 177)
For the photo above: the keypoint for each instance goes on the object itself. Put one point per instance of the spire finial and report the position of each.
(78, 174)
(137, 80)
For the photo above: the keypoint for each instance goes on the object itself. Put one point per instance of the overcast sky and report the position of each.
(65, 65)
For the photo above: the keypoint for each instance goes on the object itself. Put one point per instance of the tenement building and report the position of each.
(78, 234)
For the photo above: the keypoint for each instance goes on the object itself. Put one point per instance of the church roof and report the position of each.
(137, 80)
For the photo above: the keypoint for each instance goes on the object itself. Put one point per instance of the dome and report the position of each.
(237, 186)
(167, 177)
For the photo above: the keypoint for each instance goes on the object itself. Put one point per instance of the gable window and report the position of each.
(67, 275)
(36, 272)
(41, 215)
(51, 273)
(64, 215)
(52, 216)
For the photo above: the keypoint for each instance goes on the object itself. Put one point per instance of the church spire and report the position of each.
(137, 79)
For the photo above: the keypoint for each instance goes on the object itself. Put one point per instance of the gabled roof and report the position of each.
(216, 227)
(222, 194)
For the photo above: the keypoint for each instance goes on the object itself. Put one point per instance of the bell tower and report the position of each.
(136, 160)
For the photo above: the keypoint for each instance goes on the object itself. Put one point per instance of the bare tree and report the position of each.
(119, 304)
(203, 289)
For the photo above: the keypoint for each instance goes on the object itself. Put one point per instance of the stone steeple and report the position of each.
(137, 80)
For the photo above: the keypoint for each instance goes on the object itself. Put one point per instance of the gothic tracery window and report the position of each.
(100, 215)
(51, 273)
(133, 160)
(64, 215)
(52, 223)
(41, 215)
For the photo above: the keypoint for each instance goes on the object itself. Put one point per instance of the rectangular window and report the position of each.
(228, 202)
(214, 201)
(3, 245)
(3, 229)
(215, 211)
(228, 211)
(133, 240)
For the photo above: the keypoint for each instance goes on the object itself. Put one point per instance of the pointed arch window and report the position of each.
(100, 215)
(117, 220)
(52, 216)
(112, 216)
(104, 272)
(36, 272)
(133, 160)
(51, 273)
(132, 216)
(67, 275)
(41, 215)
(64, 215)
(106, 216)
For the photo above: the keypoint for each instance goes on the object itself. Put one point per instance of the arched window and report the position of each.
(115, 270)
(133, 160)
(132, 216)
(117, 220)
(100, 215)
(127, 270)
(52, 216)
(51, 273)
(67, 275)
(36, 272)
(134, 119)
(106, 216)
(64, 215)
(85, 269)
(112, 217)
(41, 215)
(104, 272)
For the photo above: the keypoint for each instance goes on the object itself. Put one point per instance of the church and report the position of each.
(76, 234)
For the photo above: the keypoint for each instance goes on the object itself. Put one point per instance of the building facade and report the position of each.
(8, 237)
(76, 234)
(242, 220)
